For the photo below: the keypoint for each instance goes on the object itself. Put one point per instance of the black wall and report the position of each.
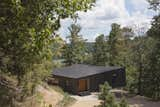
(116, 78)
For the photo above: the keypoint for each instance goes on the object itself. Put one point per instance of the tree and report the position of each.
(123, 103)
(57, 47)
(100, 53)
(113, 43)
(110, 101)
(151, 77)
(124, 43)
(139, 48)
(155, 4)
(153, 70)
(26, 27)
(104, 90)
(107, 98)
(74, 52)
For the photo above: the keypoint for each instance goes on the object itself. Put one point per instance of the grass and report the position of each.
(58, 89)
(66, 101)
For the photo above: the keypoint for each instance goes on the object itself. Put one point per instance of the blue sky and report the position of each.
(99, 19)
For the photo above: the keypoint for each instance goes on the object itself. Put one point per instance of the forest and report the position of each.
(30, 48)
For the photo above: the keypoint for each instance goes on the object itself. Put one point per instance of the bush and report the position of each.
(104, 91)
(123, 103)
(66, 101)
(108, 99)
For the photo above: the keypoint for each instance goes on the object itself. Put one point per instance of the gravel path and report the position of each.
(92, 100)
(139, 101)
(86, 101)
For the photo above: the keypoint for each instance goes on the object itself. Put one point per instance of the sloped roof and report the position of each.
(81, 70)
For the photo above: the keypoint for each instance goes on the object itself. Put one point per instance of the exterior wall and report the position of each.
(68, 84)
(116, 78)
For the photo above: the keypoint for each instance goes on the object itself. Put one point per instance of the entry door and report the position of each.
(82, 85)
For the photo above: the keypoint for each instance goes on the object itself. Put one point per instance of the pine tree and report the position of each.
(106, 97)
(100, 53)
(104, 90)
(75, 50)
(113, 43)
(152, 74)
(110, 101)
(123, 103)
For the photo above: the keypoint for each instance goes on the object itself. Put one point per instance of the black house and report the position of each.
(79, 78)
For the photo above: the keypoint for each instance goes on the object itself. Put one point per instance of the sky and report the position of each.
(98, 20)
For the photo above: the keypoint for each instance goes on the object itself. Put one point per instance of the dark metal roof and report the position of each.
(80, 70)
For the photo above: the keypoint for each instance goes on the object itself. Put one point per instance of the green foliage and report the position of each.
(58, 89)
(89, 53)
(74, 52)
(152, 74)
(123, 103)
(151, 81)
(26, 29)
(155, 4)
(108, 99)
(104, 90)
(66, 101)
(100, 53)
(154, 31)
(57, 47)
(113, 43)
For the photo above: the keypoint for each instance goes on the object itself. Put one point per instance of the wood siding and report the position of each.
(116, 78)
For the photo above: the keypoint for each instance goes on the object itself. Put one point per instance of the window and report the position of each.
(114, 75)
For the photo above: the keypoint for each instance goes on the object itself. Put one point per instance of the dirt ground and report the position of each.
(50, 96)
(92, 100)
(86, 101)
(139, 101)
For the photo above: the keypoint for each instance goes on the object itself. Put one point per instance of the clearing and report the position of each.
(50, 96)
(134, 101)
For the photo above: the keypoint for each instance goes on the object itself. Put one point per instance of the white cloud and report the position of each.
(106, 12)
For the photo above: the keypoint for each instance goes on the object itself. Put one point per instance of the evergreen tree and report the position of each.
(155, 4)
(123, 103)
(104, 90)
(110, 101)
(100, 54)
(74, 52)
(113, 43)
(152, 74)
(124, 44)
(106, 97)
